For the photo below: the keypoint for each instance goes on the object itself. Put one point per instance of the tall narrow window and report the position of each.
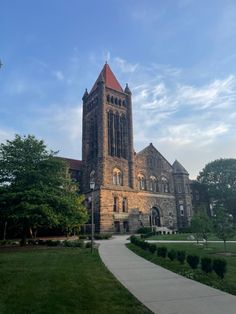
(110, 118)
(141, 182)
(124, 205)
(181, 209)
(117, 177)
(117, 135)
(93, 138)
(165, 185)
(115, 204)
(153, 184)
(123, 132)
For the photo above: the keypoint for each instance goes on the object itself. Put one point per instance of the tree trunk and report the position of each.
(5, 230)
(225, 246)
(31, 232)
(35, 233)
(24, 234)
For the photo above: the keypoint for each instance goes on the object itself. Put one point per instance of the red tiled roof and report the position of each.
(109, 78)
(73, 164)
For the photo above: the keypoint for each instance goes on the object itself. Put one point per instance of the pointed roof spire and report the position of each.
(109, 78)
(127, 90)
(178, 168)
(85, 94)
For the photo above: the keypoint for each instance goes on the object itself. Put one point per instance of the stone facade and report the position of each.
(132, 189)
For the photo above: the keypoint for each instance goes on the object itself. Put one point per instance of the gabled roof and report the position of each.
(73, 164)
(178, 168)
(109, 78)
(151, 148)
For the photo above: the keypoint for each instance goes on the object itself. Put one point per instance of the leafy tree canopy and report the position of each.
(219, 176)
(223, 224)
(35, 187)
(201, 225)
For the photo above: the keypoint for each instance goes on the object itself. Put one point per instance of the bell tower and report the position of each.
(107, 141)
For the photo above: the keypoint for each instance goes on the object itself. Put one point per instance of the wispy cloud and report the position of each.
(59, 75)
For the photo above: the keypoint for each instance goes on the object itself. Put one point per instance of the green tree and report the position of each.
(219, 177)
(35, 187)
(223, 224)
(201, 225)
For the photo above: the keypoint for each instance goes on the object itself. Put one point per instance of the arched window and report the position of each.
(155, 219)
(112, 99)
(153, 184)
(165, 185)
(116, 101)
(108, 98)
(123, 103)
(141, 182)
(124, 205)
(117, 177)
(92, 176)
(119, 102)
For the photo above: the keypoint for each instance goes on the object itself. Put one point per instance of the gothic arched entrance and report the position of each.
(155, 219)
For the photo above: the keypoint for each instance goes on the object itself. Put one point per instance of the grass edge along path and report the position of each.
(61, 280)
(228, 284)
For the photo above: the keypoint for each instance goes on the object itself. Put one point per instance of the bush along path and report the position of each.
(208, 270)
(161, 290)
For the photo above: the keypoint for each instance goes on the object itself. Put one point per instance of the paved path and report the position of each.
(162, 291)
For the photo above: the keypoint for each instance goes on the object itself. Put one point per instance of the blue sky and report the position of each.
(178, 56)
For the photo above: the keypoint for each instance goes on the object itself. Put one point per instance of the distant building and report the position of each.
(132, 189)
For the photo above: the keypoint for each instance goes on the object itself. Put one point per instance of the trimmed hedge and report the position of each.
(172, 254)
(206, 264)
(219, 267)
(181, 255)
(144, 230)
(162, 251)
(193, 261)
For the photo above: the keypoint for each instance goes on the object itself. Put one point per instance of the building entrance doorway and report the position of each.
(117, 226)
(155, 219)
(126, 226)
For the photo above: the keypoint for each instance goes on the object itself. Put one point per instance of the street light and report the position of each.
(92, 186)
(1, 64)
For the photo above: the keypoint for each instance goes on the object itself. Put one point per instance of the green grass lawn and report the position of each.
(60, 280)
(227, 284)
(183, 236)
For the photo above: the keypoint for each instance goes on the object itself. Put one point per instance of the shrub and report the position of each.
(53, 242)
(144, 245)
(206, 264)
(172, 254)
(144, 230)
(88, 245)
(102, 236)
(73, 243)
(33, 242)
(42, 242)
(152, 248)
(133, 239)
(219, 267)
(181, 255)
(193, 261)
(3, 242)
(83, 236)
(162, 251)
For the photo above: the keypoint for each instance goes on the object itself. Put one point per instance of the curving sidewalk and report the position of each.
(161, 290)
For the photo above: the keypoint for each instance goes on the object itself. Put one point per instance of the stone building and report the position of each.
(132, 189)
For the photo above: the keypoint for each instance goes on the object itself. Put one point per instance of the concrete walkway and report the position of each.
(162, 291)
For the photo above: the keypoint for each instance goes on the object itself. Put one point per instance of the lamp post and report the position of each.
(92, 186)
